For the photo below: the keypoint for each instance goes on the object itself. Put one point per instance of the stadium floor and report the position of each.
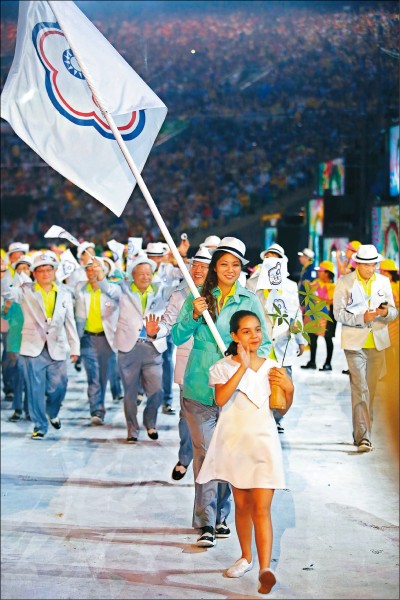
(84, 515)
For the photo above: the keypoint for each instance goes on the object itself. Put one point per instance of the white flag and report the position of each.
(56, 231)
(67, 266)
(49, 105)
(273, 272)
(118, 252)
(134, 247)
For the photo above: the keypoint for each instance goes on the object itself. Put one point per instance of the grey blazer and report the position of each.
(131, 319)
(58, 332)
(354, 330)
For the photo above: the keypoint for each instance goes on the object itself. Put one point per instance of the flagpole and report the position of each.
(142, 185)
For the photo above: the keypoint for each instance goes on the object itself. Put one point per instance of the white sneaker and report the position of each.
(239, 568)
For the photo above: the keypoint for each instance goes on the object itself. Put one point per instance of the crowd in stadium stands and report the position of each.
(264, 97)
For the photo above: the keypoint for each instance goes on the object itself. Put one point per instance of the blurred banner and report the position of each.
(49, 104)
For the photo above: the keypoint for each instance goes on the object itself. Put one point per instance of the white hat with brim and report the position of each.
(307, 252)
(143, 260)
(202, 255)
(155, 249)
(110, 263)
(82, 247)
(210, 242)
(17, 247)
(42, 260)
(233, 246)
(100, 259)
(276, 248)
(26, 260)
(367, 254)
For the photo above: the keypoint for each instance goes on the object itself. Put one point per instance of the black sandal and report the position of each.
(177, 473)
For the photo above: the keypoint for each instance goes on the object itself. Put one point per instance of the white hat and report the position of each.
(307, 252)
(273, 248)
(233, 246)
(100, 259)
(17, 247)
(143, 260)
(210, 242)
(155, 249)
(202, 255)
(367, 254)
(27, 260)
(84, 246)
(43, 259)
(110, 263)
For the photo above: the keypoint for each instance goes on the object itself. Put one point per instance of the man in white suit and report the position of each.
(286, 346)
(96, 318)
(363, 302)
(139, 358)
(48, 324)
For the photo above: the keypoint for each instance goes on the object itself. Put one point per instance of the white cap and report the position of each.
(84, 246)
(156, 249)
(233, 246)
(307, 252)
(367, 254)
(211, 241)
(273, 248)
(111, 264)
(27, 260)
(17, 247)
(202, 255)
(143, 260)
(45, 258)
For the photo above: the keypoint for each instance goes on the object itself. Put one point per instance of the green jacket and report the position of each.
(15, 320)
(205, 351)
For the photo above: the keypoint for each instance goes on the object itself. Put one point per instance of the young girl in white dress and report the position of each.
(245, 448)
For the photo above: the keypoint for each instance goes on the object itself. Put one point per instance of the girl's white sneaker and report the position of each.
(239, 568)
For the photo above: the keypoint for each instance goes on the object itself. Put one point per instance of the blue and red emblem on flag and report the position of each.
(67, 90)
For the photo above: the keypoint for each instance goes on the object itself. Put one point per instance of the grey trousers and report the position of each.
(212, 503)
(142, 363)
(366, 366)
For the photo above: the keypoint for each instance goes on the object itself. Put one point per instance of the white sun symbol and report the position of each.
(71, 64)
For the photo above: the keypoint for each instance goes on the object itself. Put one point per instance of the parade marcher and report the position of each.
(12, 312)
(15, 251)
(286, 346)
(162, 327)
(48, 324)
(222, 295)
(6, 358)
(346, 264)
(139, 357)
(211, 242)
(245, 449)
(324, 287)
(363, 302)
(308, 273)
(96, 317)
(169, 277)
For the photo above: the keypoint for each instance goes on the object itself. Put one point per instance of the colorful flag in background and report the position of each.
(49, 105)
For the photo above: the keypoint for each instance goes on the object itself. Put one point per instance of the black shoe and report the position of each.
(139, 399)
(131, 440)
(346, 372)
(9, 396)
(55, 422)
(207, 537)
(152, 433)
(280, 428)
(78, 367)
(326, 368)
(168, 410)
(179, 471)
(309, 365)
(37, 434)
(222, 530)
(16, 416)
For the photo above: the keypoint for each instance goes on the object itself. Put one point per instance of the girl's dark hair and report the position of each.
(331, 275)
(210, 283)
(234, 325)
(395, 276)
